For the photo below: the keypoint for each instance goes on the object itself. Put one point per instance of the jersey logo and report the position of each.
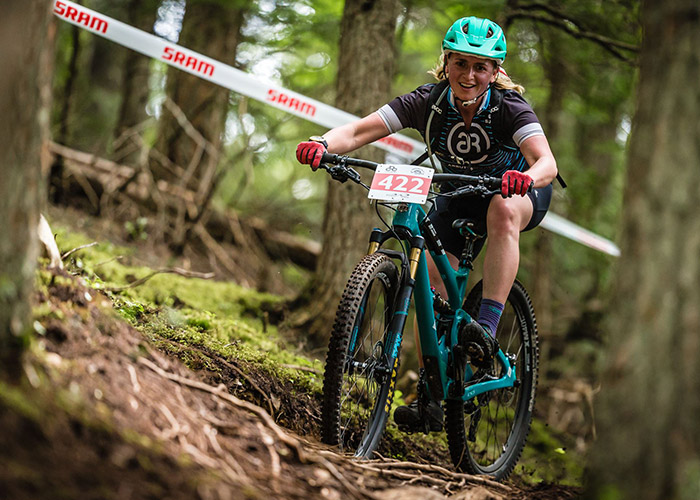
(470, 145)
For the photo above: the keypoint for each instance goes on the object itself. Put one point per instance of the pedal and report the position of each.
(474, 351)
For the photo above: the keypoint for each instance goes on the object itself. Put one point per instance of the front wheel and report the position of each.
(358, 383)
(487, 435)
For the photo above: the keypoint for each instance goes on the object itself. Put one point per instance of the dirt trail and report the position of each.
(128, 421)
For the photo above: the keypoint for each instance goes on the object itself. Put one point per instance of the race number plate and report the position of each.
(401, 183)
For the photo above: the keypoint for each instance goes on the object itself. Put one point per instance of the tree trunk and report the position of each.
(365, 72)
(135, 88)
(213, 30)
(191, 131)
(649, 444)
(88, 89)
(57, 181)
(22, 31)
(557, 77)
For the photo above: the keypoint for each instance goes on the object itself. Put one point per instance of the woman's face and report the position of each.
(469, 76)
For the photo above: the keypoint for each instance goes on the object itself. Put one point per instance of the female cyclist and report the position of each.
(484, 127)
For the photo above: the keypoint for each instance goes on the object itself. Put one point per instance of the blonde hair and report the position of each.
(502, 82)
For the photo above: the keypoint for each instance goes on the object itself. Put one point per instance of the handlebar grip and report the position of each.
(329, 158)
(494, 183)
(334, 159)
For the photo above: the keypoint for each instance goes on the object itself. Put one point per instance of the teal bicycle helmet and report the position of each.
(476, 36)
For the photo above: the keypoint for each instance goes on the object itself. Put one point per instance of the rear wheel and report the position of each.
(358, 384)
(487, 435)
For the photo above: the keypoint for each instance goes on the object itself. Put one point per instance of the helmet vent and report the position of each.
(465, 28)
(489, 34)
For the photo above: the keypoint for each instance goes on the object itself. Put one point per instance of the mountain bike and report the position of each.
(488, 411)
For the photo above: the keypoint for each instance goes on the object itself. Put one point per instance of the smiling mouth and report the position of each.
(467, 87)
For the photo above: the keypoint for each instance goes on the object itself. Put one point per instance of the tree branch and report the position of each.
(174, 270)
(70, 252)
(572, 27)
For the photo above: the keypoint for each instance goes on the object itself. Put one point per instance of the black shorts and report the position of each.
(475, 208)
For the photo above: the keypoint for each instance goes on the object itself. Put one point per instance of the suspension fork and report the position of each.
(402, 301)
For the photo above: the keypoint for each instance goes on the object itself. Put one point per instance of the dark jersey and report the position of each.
(481, 149)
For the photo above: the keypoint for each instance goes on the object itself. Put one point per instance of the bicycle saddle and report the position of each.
(460, 223)
(469, 226)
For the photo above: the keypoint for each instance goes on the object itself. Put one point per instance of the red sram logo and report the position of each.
(397, 143)
(191, 62)
(291, 102)
(80, 17)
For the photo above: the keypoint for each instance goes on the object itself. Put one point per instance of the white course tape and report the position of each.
(274, 95)
(558, 224)
(222, 74)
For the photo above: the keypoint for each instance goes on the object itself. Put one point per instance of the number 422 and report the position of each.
(402, 183)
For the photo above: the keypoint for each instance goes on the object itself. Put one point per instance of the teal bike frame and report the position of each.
(436, 350)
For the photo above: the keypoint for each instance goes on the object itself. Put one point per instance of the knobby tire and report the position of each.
(358, 384)
(502, 421)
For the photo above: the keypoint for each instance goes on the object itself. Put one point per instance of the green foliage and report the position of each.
(546, 458)
(130, 310)
(137, 228)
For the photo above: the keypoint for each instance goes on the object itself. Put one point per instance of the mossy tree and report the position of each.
(22, 32)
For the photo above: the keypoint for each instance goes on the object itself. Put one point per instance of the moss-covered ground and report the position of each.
(233, 335)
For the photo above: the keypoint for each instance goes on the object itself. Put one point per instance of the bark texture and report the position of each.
(22, 31)
(135, 88)
(194, 117)
(365, 72)
(212, 29)
(558, 78)
(649, 445)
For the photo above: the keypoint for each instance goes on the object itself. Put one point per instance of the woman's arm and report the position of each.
(356, 134)
(543, 166)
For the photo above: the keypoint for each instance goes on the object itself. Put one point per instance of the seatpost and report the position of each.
(467, 257)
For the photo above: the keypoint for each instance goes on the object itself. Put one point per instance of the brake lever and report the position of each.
(479, 190)
(342, 173)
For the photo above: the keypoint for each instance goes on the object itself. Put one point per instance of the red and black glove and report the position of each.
(515, 182)
(310, 153)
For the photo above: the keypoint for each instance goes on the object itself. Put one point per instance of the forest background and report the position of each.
(187, 150)
(576, 62)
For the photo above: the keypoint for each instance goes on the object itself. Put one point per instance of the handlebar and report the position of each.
(487, 185)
